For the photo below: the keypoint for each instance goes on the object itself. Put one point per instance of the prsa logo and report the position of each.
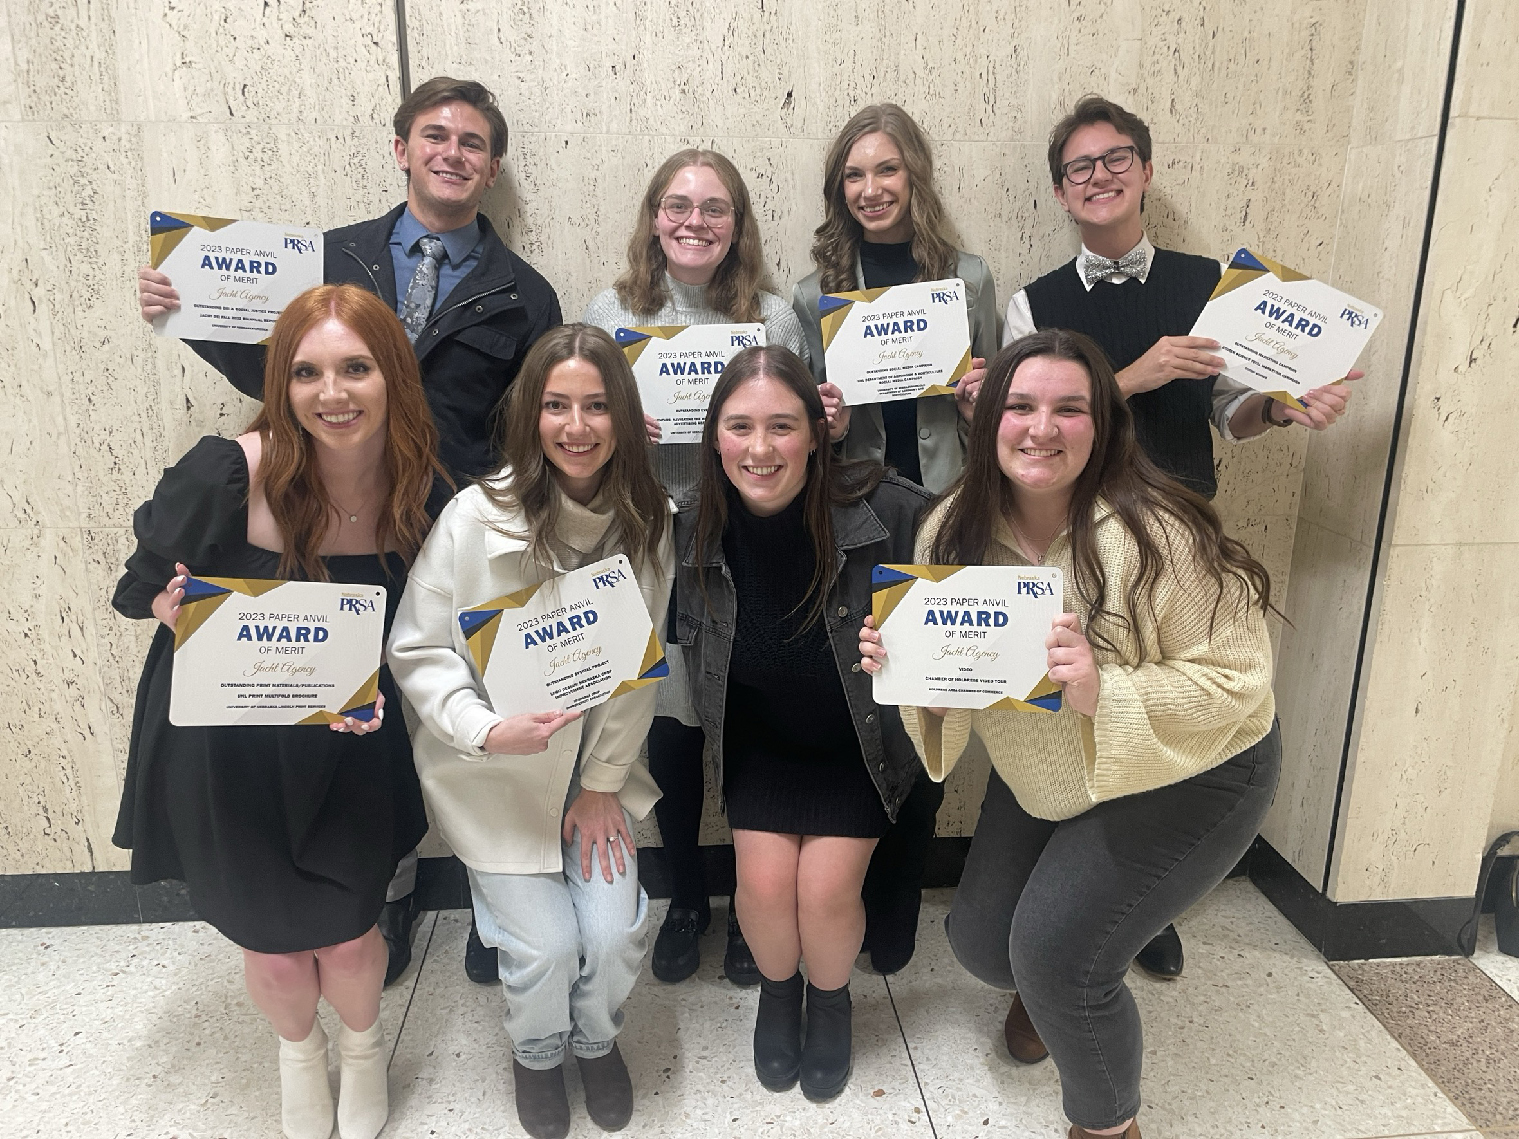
(743, 340)
(1354, 317)
(608, 579)
(1034, 589)
(944, 296)
(357, 605)
(300, 244)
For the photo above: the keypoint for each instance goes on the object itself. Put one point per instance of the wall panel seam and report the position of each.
(1393, 443)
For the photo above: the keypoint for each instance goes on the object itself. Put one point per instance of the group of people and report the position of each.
(434, 361)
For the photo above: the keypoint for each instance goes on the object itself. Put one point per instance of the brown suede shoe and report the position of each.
(1082, 1133)
(542, 1107)
(608, 1090)
(1022, 1037)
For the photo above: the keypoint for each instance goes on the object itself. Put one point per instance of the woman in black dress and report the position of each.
(774, 564)
(288, 836)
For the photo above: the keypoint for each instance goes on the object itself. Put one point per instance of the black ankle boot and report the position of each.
(778, 1032)
(828, 1053)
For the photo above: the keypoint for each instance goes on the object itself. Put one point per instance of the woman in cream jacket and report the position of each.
(539, 806)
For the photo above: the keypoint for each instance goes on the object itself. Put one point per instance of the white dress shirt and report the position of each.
(1227, 394)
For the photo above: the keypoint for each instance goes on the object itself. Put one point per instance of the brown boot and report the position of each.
(1132, 1132)
(1022, 1037)
(542, 1107)
(608, 1090)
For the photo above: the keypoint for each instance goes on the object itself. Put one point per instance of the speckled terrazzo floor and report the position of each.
(144, 1032)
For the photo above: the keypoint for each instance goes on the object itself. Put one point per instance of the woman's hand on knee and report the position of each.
(527, 734)
(603, 828)
(1072, 665)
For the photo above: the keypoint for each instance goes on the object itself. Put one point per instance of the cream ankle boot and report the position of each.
(363, 1098)
(305, 1095)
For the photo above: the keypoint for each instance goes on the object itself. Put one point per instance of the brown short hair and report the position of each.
(1091, 109)
(441, 89)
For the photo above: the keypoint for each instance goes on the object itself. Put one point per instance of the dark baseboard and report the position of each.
(108, 897)
(1344, 931)
(1352, 931)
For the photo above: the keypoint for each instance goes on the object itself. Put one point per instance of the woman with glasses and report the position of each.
(883, 224)
(1138, 303)
(694, 258)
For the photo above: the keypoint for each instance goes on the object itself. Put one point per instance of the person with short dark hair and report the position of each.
(774, 574)
(286, 837)
(540, 805)
(471, 307)
(1139, 304)
(1104, 819)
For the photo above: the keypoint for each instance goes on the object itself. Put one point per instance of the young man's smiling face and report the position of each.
(448, 162)
(1107, 200)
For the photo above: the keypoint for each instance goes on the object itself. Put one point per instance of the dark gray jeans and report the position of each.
(1057, 911)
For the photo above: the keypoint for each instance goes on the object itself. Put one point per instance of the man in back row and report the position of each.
(471, 307)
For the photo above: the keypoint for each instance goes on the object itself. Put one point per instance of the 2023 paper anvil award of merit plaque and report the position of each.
(256, 651)
(1282, 332)
(566, 644)
(966, 636)
(234, 278)
(677, 366)
(900, 342)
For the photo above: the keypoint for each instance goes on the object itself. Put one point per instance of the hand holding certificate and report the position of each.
(1282, 332)
(966, 636)
(566, 644)
(901, 342)
(678, 366)
(234, 278)
(249, 651)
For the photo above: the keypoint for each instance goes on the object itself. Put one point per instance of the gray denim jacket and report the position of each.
(877, 530)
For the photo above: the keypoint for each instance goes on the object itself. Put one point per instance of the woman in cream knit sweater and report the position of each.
(1106, 819)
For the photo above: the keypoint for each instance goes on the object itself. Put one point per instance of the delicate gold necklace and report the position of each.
(1040, 544)
(353, 515)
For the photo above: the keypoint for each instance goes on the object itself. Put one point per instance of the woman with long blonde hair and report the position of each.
(288, 836)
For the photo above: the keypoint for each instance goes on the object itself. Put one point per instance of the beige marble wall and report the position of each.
(1264, 129)
(1251, 125)
(1393, 123)
(106, 112)
(1435, 747)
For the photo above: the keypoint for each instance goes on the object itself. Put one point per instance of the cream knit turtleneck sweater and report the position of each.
(1194, 696)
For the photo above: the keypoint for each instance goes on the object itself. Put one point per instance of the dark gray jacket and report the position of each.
(877, 530)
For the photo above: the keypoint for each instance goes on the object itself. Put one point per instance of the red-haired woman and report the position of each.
(288, 836)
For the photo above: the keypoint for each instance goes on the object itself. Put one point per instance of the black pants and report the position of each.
(675, 762)
(893, 889)
(1058, 910)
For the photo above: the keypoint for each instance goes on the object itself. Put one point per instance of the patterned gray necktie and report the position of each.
(423, 290)
(1096, 268)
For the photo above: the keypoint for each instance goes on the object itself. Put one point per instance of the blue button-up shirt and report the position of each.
(461, 250)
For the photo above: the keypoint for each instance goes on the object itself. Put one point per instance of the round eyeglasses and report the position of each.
(1079, 171)
(714, 211)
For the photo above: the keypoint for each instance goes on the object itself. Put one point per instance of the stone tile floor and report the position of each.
(144, 1032)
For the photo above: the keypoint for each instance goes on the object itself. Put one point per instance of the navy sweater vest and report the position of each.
(1171, 421)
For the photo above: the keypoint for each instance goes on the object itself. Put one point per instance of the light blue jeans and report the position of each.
(568, 953)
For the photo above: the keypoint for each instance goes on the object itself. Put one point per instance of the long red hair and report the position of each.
(288, 473)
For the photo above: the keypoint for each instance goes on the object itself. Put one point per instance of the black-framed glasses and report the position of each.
(1079, 171)
(714, 211)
